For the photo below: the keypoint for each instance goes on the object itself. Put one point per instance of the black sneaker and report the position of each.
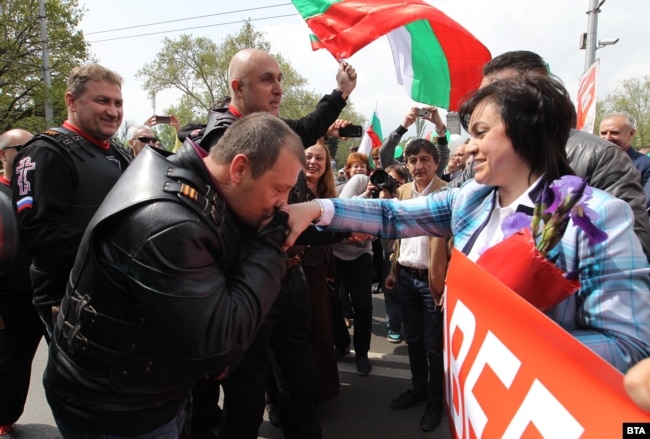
(363, 365)
(407, 400)
(431, 417)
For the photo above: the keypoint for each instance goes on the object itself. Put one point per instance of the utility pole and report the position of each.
(47, 78)
(589, 39)
(592, 30)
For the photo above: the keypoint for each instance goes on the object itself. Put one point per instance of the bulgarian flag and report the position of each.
(315, 42)
(373, 137)
(436, 59)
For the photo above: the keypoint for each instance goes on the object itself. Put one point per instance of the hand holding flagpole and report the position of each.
(346, 79)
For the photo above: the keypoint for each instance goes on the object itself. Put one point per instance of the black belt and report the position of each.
(415, 273)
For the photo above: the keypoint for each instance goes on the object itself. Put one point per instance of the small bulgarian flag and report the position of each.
(374, 131)
(315, 42)
(436, 59)
(373, 137)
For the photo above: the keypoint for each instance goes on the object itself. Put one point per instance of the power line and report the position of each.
(11, 61)
(186, 19)
(191, 28)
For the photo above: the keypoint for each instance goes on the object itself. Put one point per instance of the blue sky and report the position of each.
(551, 28)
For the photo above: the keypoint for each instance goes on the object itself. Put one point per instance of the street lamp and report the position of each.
(607, 42)
(588, 40)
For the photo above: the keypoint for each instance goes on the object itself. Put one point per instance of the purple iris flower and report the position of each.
(565, 198)
(515, 222)
(566, 189)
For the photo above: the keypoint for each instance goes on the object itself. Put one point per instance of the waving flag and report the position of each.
(315, 42)
(373, 137)
(436, 59)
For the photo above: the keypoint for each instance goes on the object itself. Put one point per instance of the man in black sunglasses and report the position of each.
(61, 177)
(139, 136)
(11, 142)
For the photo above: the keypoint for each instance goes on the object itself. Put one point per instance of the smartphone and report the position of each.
(350, 131)
(162, 119)
(423, 112)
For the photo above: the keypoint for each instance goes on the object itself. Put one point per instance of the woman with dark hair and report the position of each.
(519, 128)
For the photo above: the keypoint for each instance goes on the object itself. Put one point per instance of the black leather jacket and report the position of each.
(609, 169)
(165, 289)
(310, 127)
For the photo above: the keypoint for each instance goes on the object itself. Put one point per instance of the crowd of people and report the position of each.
(243, 261)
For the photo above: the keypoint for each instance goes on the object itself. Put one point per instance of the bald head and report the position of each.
(255, 82)
(10, 143)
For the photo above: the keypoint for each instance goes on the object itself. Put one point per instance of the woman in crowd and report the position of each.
(519, 128)
(356, 163)
(317, 264)
(354, 271)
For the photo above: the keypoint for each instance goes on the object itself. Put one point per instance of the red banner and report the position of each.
(587, 89)
(512, 372)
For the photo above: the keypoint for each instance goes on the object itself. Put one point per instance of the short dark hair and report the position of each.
(261, 137)
(399, 169)
(523, 61)
(537, 114)
(414, 146)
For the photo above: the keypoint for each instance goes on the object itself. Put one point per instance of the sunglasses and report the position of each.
(16, 147)
(147, 139)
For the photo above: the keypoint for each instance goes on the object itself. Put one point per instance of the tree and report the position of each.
(197, 67)
(632, 96)
(22, 97)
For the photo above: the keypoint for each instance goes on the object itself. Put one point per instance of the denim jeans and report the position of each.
(423, 333)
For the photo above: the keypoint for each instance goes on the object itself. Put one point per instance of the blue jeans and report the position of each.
(171, 430)
(423, 333)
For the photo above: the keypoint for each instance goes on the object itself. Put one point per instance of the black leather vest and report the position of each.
(110, 330)
(94, 178)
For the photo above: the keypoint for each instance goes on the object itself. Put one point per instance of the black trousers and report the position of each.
(283, 346)
(20, 334)
(356, 276)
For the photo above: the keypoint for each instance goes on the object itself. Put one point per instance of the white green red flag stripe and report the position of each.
(437, 60)
(373, 137)
(315, 42)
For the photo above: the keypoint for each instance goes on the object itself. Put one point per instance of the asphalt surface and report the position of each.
(362, 410)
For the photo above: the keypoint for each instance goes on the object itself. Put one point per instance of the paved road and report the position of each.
(362, 410)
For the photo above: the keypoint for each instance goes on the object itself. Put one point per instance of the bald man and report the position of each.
(11, 142)
(255, 82)
(20, 326)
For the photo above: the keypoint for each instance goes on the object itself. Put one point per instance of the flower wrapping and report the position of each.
(518, 264)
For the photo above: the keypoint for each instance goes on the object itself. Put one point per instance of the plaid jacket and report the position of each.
(610, 313)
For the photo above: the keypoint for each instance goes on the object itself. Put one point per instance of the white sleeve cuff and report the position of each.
(328, 211)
